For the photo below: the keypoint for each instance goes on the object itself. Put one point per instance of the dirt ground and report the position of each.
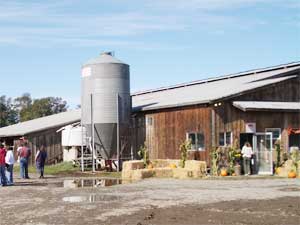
(283, 211)
(58, 200)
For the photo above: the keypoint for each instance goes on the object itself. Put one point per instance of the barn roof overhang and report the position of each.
(41, 124)
(267, 106)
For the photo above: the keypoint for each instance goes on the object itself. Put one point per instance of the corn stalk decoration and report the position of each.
(295, 157)
(215, 156)
(144, 154)
(183, 148)
(278, 151)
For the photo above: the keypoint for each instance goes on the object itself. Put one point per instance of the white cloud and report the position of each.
(63, 22)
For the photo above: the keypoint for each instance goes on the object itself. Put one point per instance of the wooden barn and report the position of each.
(41, 131)
(260, 106)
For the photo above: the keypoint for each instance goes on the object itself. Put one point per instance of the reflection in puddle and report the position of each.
(81, 183)
(288, 189)
(91, 198)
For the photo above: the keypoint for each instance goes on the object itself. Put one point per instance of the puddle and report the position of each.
(94, 183)
(91, 198)
(290, 189)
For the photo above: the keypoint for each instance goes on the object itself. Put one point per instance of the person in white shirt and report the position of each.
(9, 161)
(247, 153)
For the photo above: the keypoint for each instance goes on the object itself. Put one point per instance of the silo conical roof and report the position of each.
(105, 57)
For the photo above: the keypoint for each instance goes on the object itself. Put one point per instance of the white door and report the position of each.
(262, 147)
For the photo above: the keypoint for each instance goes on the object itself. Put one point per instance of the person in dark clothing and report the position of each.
(24, 154)
(40, 160)
(3, 181)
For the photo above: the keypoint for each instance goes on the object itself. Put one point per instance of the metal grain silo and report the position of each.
(106, 103)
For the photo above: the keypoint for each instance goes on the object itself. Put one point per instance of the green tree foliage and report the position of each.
(8, 113)
(24, 108)
(23, 101)
(42, 107)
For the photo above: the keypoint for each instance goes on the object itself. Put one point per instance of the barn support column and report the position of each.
(213, 128)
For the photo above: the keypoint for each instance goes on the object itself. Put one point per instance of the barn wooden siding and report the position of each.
(231, 119)
(164, 131)
(52, 142)
(138, 132)
(228, 118)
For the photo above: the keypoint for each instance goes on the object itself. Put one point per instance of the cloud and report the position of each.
(112, 22)
(209, 5)
(31, 24)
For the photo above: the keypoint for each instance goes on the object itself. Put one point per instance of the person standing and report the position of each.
(247, 152)
(19, 151)
(24, 154)
(3, 181)
(9, 160)
(40, 160)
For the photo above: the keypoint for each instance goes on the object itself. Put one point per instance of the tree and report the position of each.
(43, 107)
(8, 113)
(23, 102)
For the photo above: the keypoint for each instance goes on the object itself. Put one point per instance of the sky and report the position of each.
(44, 43)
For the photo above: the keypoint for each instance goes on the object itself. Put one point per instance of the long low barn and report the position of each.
(259, 106)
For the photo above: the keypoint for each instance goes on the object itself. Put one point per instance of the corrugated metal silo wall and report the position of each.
(105, 82)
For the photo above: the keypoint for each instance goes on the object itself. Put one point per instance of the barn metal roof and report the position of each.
(40, 124)
(197, 92)
(210, 90)
(262, 106)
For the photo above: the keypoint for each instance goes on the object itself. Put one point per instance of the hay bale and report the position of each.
(127, 174)
(182, 173)
(198, 174)
(142, 174)
(133, 165)
(161, 163)
(195, 165)
(130, 166)
(163, 172)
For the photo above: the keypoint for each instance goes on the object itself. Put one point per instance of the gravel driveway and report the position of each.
(46, 201)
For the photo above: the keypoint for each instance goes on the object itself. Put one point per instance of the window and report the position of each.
(294, 141)
(221, 139)
(228, 138)
(276, 134)
(197, 141)
(225, 139)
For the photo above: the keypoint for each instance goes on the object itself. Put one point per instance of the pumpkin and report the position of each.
(150, 166)
(172, 166)
(223, 173)
(292, 174)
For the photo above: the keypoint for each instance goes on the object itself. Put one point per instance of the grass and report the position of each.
(67, 168)
(64, 167)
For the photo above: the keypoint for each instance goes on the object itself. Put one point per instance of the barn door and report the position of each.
(262, 146)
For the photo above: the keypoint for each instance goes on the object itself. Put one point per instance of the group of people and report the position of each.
(7, 161)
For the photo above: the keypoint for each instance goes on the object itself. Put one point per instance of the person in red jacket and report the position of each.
(3, 181)
(24, 158)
